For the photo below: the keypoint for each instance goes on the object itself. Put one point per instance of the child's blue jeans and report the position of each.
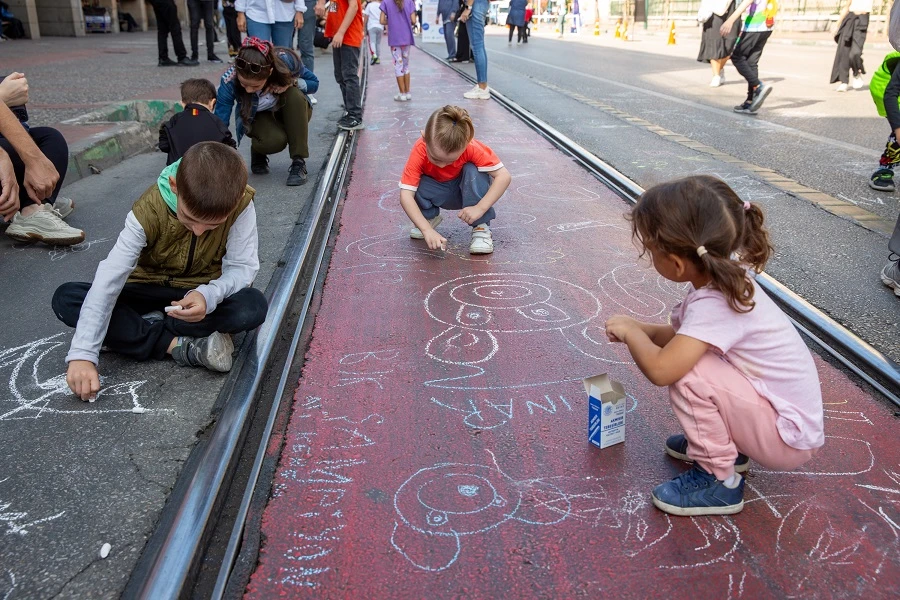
(465, 190)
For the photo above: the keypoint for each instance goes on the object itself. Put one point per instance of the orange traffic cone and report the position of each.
(672, 34)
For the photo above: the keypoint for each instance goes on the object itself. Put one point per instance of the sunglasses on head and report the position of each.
(245, 65)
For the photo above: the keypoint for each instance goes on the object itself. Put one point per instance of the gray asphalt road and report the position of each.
(78, 475)
(806, 131)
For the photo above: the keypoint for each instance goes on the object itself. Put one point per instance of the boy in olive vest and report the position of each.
(189, 246)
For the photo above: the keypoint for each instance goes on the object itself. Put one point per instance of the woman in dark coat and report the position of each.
(853, 25)
(463, 48)
(715, 49)
(516, 19)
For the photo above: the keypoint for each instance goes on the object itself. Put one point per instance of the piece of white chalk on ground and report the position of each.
(104, 550)
(139, 409)
(169, 309)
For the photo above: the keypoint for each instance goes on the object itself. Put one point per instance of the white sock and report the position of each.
(733, 481)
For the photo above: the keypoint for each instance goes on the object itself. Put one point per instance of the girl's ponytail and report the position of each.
(730, 278)
(755, 247)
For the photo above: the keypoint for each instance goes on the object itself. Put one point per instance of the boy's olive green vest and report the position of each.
(174, 256)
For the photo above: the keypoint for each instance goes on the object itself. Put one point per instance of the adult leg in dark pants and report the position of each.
(346, 65)
(465, 190)
(745, 57)
(131, 335)
(231, 30)
(167, 23)
(53, 145)
(202, 10)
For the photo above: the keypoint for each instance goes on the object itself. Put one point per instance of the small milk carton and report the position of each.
(606, 411)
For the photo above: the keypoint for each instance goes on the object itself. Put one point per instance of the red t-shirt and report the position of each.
(418, 164)
(335, 11)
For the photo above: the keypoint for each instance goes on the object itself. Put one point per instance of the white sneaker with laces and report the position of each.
(64, 206)
(890, 274)
(482, 243)
(716, 81)
(476, 93)
(44, 226)
(312, 99)
(858, 83)
(399, 98)
(416, 233)
(841, 88)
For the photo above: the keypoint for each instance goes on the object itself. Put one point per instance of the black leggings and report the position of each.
(202, 10)
(53, 145)
(521, 35)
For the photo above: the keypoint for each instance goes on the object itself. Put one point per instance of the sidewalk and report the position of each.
(79, 475)
(437, 443)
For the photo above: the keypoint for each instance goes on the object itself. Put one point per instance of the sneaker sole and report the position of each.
(295, 184)
(881, 188)
(354, 128)
(696, 511)
(36, 237)
(479, 251)
(738, 468)
(218, 352)
(891, 284)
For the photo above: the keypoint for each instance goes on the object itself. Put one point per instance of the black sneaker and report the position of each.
(348, 123)
(760, 94)
(187, 62)
(259, 163)
(297, 174)
(676, 447)
(167, 62)
(743, 108)
(214, 59)
(882, 180)
(212, 352)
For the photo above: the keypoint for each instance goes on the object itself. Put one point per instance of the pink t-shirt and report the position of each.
(764, 346)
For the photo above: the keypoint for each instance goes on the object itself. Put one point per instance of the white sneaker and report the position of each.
(44, 226)
(482, 243)
(416, 233)
(722, 77)
(858, 83)
(312, 99)
(407, 97)
(716, 81)
(399, 98)
(476, 93)
(64, 206)
(841, 88)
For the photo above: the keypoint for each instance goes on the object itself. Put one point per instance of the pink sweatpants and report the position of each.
(722, 414)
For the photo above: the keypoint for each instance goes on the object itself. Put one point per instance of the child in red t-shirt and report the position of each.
(344, 25)
(448, 168)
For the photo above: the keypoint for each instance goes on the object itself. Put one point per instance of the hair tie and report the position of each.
(701, 250)
(257, 44)
(746, 206)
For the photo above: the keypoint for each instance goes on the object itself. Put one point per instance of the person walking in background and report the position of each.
(167, 24)
(272, 20)
(529, 14)
(343, 24)
(715, 48)
(515, 19)
(306, 38)
(463, 47)
(446, 13)
(233, 34)
(400, 18)
(473, 16)
(745, 58)
(374, 29)
(203, 10)
(563, 11)
(853, 25)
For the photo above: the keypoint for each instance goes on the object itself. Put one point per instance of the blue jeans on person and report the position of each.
(467, 189)
(280, 33)
(475, 28)
(450, 38)
(306, 35)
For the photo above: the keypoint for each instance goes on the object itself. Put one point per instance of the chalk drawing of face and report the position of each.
(479, 309)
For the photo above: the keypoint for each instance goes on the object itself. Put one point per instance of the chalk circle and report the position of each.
(511, 303)
(459, 494)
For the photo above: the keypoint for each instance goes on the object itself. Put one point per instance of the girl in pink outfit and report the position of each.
(741, 381)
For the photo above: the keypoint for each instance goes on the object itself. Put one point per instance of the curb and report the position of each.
(132, 128)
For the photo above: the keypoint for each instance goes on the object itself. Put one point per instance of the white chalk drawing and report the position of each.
(566, 194)
(13, 584)
(438, 508)
(17, 522)
(361, 374)
(32, 396)
(480, 310)
(579, 225)
(641, 291)
(859, 451)
(60, 252)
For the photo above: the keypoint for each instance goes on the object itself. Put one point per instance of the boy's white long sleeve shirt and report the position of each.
(239, 268)
(270, 11)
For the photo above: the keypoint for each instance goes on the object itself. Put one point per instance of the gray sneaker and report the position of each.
(44, 226)
(890, 274)
(416, 233)
(212, 352)
(759, 96)
(64, 206)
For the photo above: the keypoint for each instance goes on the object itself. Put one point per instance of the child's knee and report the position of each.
(252, 310)
(67, 301)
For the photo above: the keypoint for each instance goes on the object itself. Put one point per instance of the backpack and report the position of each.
(880, 79)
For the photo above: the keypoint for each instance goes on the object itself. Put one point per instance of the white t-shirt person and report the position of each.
(373, 11)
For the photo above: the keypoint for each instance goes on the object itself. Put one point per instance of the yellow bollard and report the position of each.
(618, 29)
(672, 34)
(597, 28)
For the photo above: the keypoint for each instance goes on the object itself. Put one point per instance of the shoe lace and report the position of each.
(296, 168)
(693, 479)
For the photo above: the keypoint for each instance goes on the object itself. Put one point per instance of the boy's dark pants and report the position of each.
(53, 145)
(466, 190)
(129, 334)
(166, 23)
(346, 65)
(745, 57)
(271, 131)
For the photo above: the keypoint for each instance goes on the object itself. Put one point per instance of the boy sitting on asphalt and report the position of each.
(189, 246)
(196, 123)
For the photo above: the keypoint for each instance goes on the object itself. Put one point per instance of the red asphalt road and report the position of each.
(438, 441)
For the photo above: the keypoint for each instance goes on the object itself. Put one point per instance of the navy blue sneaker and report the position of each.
(676, 447)
(696, 493)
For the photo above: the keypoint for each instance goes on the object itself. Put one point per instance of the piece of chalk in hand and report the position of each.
(169, 309)
(443, 247)
(104, 550)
